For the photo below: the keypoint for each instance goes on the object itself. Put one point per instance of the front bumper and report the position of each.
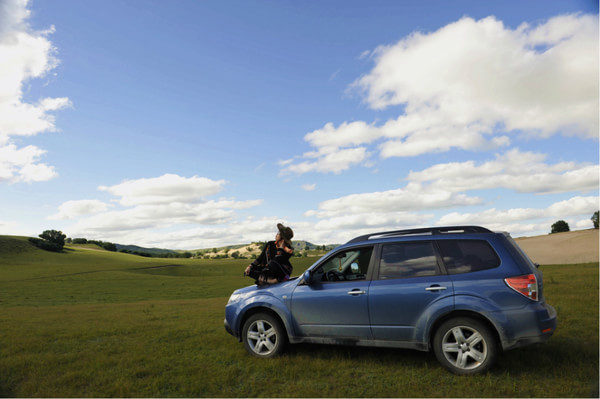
(228, 328)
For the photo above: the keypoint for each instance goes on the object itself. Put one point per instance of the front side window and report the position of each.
(465, 256)
(345, 266)
(406, 260)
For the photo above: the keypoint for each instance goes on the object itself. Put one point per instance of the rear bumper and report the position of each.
(545, 324)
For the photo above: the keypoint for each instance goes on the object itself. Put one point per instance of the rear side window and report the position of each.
(405, 260)
(464, 256)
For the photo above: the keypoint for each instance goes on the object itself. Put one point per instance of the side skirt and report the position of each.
(360, 342)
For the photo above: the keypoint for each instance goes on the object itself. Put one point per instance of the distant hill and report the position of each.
(151, 251)
(580, 246)
(253, 250)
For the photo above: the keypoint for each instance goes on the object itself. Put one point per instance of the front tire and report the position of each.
(263, 336)
(465, 346)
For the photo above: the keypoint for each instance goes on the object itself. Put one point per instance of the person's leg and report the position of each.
(255, 272)
(274, 272)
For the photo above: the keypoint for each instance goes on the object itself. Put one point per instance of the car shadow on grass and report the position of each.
(362, 353)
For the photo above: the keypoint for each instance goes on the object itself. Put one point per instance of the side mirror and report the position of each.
(354, 267)
(307, 277)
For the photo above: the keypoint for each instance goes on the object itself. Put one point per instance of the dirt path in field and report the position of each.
(562, 248)
(98, 271)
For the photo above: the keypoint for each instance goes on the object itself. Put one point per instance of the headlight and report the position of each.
(233, 298)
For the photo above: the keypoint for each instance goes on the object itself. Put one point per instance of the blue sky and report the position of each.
(194, 124)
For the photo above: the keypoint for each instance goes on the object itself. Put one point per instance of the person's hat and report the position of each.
(286, 233)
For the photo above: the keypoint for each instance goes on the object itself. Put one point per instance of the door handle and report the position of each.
(356, 292)
(436, 288)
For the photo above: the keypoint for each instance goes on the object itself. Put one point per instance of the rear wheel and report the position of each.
(465, 346)
(264, 335)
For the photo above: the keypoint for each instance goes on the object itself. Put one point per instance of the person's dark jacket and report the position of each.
(271, 253)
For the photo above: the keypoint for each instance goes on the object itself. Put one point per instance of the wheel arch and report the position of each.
(467, 314)
(263, 309)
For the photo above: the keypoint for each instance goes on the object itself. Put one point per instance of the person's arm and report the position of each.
(283, 252)
(262, 258)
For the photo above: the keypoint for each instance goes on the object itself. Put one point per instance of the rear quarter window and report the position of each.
(465, 256)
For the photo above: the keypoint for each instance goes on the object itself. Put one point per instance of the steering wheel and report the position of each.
(334, 275)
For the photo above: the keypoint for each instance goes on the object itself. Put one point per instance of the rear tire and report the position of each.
(465, 346)
(264, 336)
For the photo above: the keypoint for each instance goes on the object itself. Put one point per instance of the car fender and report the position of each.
(434, 312)
(264, 300)
(485, 308)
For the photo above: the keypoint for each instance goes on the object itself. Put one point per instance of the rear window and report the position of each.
(405, 260)
(465, 256)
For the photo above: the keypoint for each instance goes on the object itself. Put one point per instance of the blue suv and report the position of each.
(464, 292)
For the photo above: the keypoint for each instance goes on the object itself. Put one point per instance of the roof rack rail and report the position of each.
(422, 231)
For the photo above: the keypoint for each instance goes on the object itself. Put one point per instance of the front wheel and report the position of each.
(263, 335)
(465, 346)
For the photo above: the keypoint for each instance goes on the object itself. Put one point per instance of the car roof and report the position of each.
(429, 231)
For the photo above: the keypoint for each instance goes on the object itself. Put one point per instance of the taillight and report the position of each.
(525, 285)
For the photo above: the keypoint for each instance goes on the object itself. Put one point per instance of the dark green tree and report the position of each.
(51, 240)
(595, 219)
(54, 236)
(560, 227)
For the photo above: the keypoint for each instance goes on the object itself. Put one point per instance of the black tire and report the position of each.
(264, 336)
(465, 346)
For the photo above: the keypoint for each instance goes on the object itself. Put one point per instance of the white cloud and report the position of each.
(446, 186)
(153, 204)
(72, 209)
(165, 189)
(483, 72)
(575, 206)
(520, 171)
(472, 85)
(25, 55)
(308, 187)
(328, 160)
(21, 164)
(413, 197)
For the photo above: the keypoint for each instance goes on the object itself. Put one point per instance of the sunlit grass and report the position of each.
(98, 324)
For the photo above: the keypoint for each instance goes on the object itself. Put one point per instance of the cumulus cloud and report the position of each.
(327, 160)
(575, 206)
(153, 204)
(446, 186)
(471, 85)
(524, 172)
(21, 164)
(413, 197)
(26, 54)
(167, 188)
(72, 209)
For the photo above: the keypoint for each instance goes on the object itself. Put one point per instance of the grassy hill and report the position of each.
(93, 323)
(151, 251)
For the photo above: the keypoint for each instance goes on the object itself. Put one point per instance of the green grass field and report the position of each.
(91, 323)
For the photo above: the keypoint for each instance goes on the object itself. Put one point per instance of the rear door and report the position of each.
(406, 287)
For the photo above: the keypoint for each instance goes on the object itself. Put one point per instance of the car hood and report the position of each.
(273, 289)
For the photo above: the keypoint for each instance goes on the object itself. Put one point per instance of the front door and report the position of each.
(335, 304)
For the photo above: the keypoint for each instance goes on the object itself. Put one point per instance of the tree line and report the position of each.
(561, 226)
